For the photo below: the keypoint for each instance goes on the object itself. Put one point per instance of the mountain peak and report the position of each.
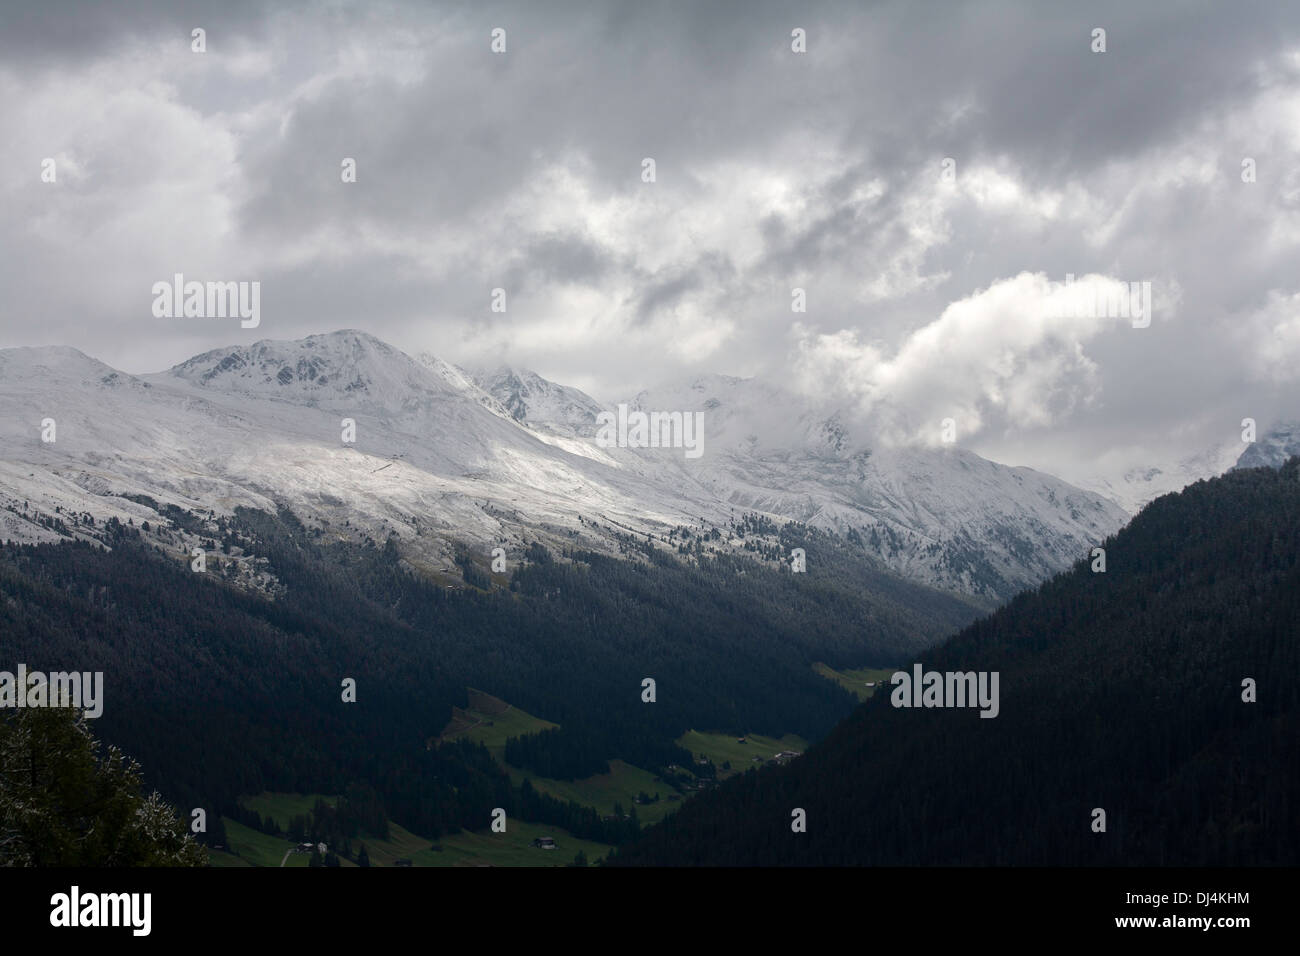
(59, 362)
(530, 398)
(347, 364)
(1273, 449)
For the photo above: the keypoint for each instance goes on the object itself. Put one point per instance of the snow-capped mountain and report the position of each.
(265, 424)
(942, 515)
(349, 432)
(1273, 449)
(1136, 486)
(533, 400)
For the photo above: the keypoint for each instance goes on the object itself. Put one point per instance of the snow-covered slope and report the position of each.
(943, 515)
(557, 414)
(533, 400)
(1273, 449)
(440, 458)
(1136, 486)
(264, 425)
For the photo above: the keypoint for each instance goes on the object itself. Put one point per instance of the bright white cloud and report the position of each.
(1009, 356)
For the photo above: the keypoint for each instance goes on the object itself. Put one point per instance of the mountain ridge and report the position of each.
(438, 456)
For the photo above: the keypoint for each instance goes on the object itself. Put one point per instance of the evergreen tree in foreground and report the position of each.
(62, 803)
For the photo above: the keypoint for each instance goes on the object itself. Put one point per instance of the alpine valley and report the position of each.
(429, 593)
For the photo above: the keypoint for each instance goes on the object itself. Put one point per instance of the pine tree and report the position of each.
(63, 804)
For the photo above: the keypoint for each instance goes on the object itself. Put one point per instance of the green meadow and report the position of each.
(727, 748)
(491, 721)
(466, 848)
(855, 681)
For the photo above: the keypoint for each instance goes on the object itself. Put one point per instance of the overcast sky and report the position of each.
(775, 170)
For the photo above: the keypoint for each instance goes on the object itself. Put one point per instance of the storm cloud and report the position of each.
(916, 173)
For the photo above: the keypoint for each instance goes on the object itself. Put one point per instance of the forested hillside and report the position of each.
(220, 692)
(1121, 691)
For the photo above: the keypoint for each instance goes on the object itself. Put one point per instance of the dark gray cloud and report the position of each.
(775, 170)
(67, 33)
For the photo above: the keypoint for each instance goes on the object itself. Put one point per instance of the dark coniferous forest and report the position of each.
(221, 693)
(1121, 691)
